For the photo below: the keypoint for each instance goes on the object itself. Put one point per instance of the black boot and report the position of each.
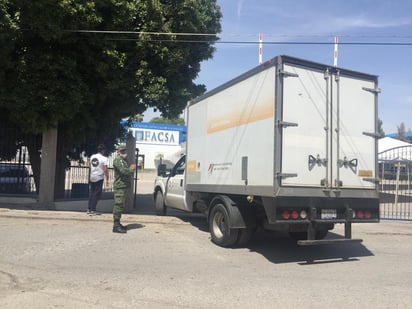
(123, 226)
(118, 228)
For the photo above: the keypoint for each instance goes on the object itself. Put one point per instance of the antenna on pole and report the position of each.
(260, 47)
(335, 53)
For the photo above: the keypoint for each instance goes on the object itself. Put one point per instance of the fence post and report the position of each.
(130, 148)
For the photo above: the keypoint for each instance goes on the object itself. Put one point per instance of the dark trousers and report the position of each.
(96, 189)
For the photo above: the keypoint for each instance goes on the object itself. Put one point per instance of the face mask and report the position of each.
(123, 155)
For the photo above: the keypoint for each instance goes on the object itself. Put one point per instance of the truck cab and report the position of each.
(169, 187)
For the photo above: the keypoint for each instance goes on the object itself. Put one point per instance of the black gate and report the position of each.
(16, 174)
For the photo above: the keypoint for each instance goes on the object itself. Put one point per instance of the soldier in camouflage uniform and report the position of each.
(122, 184)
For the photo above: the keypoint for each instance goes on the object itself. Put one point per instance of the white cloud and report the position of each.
(239, 8)
(361, 22)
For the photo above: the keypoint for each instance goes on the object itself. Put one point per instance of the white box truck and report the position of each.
(289, 146)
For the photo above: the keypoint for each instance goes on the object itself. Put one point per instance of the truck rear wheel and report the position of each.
(222, 234)
(160, 207)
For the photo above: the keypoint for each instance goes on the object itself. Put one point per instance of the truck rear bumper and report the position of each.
(321, 210)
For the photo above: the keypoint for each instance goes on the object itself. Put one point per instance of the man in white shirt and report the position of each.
(98, 171)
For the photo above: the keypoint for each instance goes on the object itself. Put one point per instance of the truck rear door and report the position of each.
(328, 129)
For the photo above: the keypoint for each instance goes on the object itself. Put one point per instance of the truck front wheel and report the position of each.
(219, 227)
(160, 206)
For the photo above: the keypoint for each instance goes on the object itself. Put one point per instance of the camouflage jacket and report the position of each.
(122, 173)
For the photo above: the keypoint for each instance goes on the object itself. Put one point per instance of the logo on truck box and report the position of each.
(213, 167)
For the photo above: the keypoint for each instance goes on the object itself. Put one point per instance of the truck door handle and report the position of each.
(181, 182)
(312, 161)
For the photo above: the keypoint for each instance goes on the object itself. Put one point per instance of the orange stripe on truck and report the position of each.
(238, 118)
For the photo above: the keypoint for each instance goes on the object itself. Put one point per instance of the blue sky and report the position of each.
(357, 21)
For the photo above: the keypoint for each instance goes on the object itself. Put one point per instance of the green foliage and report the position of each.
(137, 117)
(380, 128)
(58, 69)
(177, 120)
(402, 133)
(53, 75)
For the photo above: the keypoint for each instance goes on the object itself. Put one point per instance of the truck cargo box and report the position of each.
(287, 128)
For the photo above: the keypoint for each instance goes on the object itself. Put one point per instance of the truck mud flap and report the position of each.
(241, 215)
(328, 241)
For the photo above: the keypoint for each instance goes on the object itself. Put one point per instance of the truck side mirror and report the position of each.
(161, 170)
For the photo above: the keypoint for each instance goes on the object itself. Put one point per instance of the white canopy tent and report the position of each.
(387, 143)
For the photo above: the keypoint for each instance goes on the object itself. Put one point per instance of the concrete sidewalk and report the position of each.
(100, 217)
(75, 209)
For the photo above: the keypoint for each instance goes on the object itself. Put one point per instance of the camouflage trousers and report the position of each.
(120, 198)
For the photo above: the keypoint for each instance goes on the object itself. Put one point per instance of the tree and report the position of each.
(176, 120)
(58, 70)
(402, 133)
(137, 117)
(381, 132)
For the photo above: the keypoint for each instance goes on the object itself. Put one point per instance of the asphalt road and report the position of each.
(70, 260)
(66, 259)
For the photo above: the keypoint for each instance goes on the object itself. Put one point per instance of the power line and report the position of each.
(266, 35)
(318, 43)
(267, 42)
(220, 41)
(142, 32)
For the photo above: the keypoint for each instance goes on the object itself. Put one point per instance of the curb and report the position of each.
(82, 216)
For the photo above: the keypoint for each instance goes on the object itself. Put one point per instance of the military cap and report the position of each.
(121, 147)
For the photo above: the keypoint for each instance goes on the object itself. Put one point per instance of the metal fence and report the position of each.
(16, 173)
(16, 177)
(395, 169)
(77, 182)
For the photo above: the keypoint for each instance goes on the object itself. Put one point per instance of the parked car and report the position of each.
(14, 178)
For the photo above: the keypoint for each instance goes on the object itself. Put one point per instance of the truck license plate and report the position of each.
(328, 214)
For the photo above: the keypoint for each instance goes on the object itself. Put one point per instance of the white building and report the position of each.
(157, 140)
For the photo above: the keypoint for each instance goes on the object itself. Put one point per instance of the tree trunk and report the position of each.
(61, 165)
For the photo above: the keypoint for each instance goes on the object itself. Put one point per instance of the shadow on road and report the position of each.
(134, 226)
(279, 248)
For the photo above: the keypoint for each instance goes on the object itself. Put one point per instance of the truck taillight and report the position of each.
(362, 214)
(285, 214)
(293, 214)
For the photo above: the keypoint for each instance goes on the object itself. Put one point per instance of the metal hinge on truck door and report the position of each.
(374, 135)
(373, 90)
(285, 124)
(286, 175)
(288, 74)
